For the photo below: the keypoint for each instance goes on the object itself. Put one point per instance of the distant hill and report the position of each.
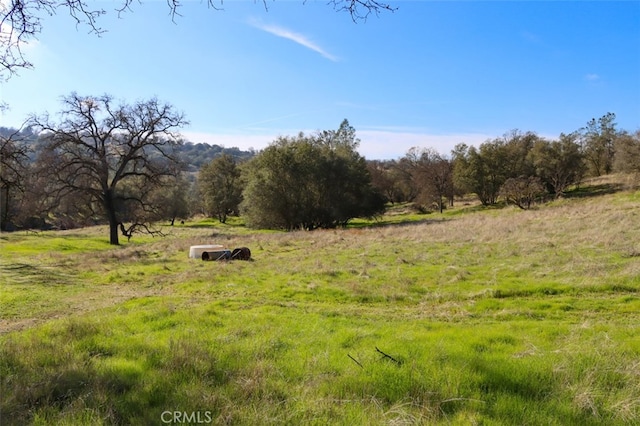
(195, 155)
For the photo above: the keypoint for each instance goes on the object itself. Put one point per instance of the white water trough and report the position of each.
(195, 252)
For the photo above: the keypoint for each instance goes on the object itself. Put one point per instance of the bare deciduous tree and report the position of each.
(598, 140)
(432, 174)
(384, 180)
(116, 154)
(13, 169)
(221, 185)
(522, 191)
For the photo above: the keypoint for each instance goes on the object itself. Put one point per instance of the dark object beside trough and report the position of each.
(241, 253)
(216, 255)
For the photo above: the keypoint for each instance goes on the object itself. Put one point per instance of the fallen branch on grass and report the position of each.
(354, 360)
(388, 356)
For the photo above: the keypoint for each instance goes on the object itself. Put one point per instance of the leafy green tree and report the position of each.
(460, 162)
(220, 184)
(598, 144)
(278, 192)
(481, 170)
(484, 170)
(558, 163)
(627, 153)
(115, 156)
(172, 198)
(345, 185)
(309, 182)
(517, 146)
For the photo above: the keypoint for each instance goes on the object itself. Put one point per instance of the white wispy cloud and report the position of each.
(592, 77)
(298, 38)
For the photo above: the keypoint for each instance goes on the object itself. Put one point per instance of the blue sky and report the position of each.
(431, 74)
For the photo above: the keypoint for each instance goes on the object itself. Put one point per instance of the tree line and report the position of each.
(518, 167)
(125, 165)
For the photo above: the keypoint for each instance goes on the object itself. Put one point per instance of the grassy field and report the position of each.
(475, 317)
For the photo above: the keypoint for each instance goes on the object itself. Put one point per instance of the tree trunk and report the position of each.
(110, 207)
(4, 207)
(113, 233)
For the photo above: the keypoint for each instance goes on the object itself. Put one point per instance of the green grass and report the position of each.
(490, 317)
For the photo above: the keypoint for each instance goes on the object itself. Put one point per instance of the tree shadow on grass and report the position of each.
(395, 223)
(594, 190)
(517, 392)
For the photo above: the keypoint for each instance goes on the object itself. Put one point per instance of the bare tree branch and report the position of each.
(361, 9)
(355, 360)
(384, 355)
(139, 228)
(21, 21)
